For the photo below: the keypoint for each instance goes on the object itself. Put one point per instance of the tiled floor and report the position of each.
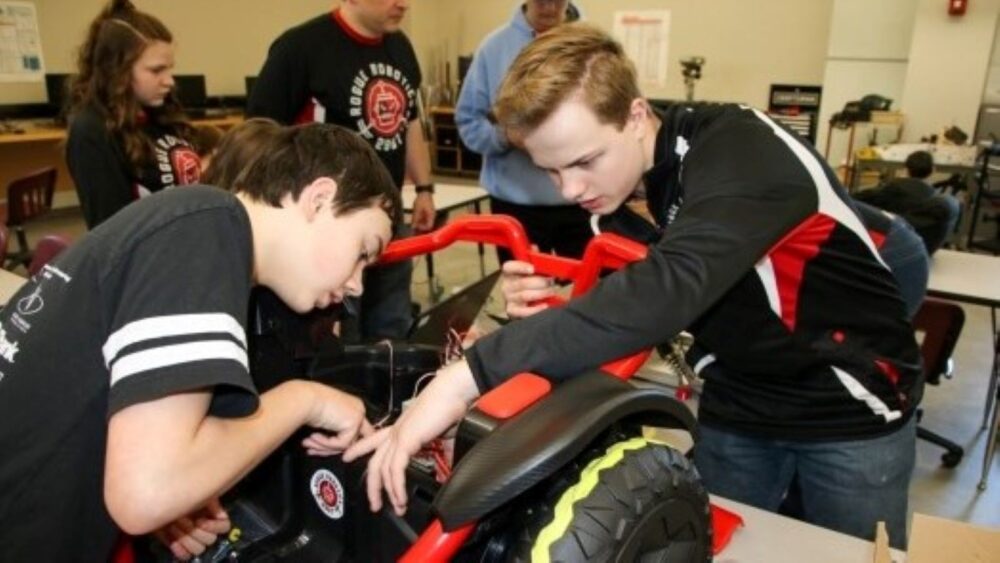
(955, 408)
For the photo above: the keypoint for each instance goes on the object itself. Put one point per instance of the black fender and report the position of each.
(545, 437)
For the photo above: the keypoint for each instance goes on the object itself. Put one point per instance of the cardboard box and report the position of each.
(933, 540)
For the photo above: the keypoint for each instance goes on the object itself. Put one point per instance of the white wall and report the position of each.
(748, 45)
(868, 53)
(991, 93)
(949, 61)
(223, 39)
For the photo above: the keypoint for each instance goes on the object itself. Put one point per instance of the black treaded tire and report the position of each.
(639, 501)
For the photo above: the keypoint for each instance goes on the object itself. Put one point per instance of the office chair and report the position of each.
(47, 248)
(941, 322)
(28, 198)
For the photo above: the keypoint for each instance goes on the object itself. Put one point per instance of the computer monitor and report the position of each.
(57, 88)
(457, 313)
(189, 89)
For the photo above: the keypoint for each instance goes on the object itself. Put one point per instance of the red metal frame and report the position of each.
(605, 251)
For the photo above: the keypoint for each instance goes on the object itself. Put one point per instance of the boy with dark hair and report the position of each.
(125, 397)
(933, 215)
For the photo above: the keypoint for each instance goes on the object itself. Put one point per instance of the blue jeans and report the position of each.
(904, 252)
(846, 486)
(386, 307)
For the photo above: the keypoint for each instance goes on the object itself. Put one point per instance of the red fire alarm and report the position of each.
(957, 7)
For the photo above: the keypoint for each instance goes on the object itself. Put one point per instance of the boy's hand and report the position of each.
(337, 412)
(191, 535)
(521, 288)
(439, 407)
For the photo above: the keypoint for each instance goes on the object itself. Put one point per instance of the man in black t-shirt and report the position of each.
(124, 387)
(354, 67)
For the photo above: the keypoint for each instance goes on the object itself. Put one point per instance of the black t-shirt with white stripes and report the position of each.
(153, 302)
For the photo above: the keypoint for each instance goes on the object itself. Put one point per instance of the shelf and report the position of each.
(448, 154)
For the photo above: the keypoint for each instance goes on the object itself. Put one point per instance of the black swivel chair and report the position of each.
(941, 323)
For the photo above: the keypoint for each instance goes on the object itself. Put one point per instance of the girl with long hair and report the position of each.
(128, 136)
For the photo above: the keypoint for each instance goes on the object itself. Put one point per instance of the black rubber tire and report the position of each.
(639, 501)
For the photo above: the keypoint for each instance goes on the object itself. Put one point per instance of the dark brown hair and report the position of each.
(268, 162)
(240, 147)
(115, 41)
(920, 164)
(206, 139)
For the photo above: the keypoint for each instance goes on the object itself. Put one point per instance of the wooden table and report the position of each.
(766, 536)
(975, 279)
(43, 143)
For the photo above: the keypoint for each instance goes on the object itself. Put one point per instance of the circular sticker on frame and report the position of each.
(328, 493)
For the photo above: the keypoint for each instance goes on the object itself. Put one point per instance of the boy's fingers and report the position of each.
(366, 428)
(374, 480)
(397, 469)
(214, 507)
(518, 268)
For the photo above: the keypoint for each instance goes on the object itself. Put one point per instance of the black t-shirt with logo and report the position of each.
(105, 179)
(151, 303)
(324, 71)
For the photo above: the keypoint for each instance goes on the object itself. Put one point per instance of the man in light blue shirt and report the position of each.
(517, 187)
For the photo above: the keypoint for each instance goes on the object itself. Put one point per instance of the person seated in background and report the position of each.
(763, 258)
(516, 186)
(126, 401)
(933, 215)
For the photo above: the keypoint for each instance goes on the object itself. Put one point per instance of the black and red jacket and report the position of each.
(764, 259)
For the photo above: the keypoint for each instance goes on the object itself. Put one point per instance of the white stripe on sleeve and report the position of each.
(176, 354)
(171, 325)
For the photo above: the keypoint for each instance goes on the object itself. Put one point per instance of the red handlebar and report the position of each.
(605, 251)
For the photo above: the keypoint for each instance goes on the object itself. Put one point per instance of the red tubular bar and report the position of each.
(605, 251)
(435, 545)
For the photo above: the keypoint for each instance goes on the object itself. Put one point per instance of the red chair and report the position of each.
(28, 198)
(941, 324)
(48, 248)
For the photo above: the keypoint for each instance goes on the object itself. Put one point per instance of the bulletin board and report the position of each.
(20, 43)
(645, 36)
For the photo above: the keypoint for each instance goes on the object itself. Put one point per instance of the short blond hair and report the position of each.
(570, 59)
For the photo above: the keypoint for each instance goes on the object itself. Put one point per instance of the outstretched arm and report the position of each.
(439, 407)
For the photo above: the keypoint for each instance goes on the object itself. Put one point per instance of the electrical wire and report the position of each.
(392, 385)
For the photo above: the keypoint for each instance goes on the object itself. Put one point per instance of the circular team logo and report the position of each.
(328, 493)
(31, 303)
(385, 107)
(186, 165)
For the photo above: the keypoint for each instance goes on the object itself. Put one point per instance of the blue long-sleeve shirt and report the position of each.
(508, 173)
